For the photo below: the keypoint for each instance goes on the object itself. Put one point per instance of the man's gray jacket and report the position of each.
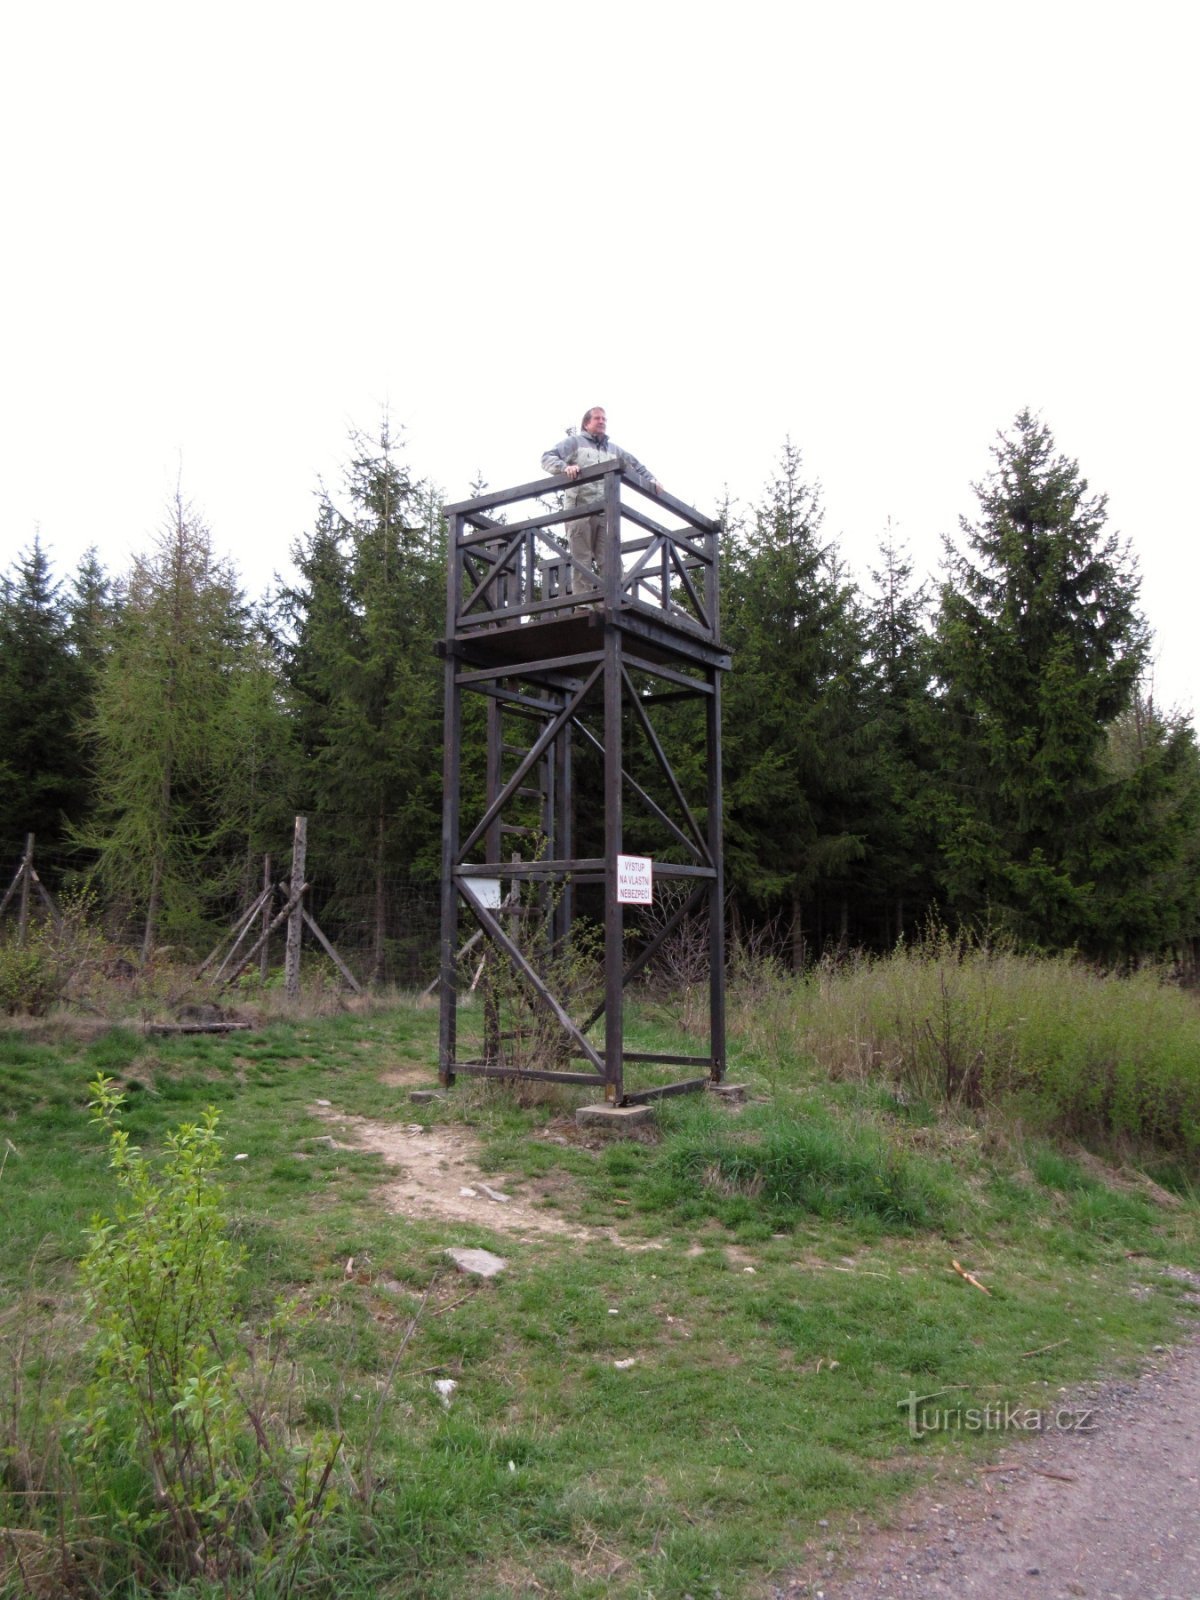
(584, 449)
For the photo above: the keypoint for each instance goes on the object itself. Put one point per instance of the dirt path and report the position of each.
(1109, 1509)
(438, 1176)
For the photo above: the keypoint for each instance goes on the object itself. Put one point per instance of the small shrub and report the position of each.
(176, 1449)
(28, 982)
(59, 959)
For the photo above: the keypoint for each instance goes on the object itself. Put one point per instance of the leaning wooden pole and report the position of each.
(311, 922)
(280, 918)
(241, 929)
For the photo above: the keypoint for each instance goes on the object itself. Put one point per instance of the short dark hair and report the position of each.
(589, 414)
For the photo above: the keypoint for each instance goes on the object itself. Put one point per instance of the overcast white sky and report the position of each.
(232, 232)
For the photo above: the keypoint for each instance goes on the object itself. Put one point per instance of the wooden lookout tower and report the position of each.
(597, 786)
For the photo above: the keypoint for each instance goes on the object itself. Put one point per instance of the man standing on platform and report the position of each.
(588, 449)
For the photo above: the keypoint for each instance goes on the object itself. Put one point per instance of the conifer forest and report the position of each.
(978, 747)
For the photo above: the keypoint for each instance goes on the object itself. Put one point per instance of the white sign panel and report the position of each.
(635, 880)
(486, 891)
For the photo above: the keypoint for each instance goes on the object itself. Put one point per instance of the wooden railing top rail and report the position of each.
(478, 507)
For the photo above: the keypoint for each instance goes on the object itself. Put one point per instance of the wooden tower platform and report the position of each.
(598, 699)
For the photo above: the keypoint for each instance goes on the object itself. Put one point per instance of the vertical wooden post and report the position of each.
(613, 572)
(712, 582)
(614, 825)
(296, 920)
(614, 911)
(264, 960)
(451, 774)
(716, 828)
(26, 880)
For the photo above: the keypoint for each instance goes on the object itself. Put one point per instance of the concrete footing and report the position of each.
(613, 1119)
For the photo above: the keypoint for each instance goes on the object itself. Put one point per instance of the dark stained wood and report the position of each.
(451, 806)
(665, 1059)
(486, 1069)
(563, 658)
(641, 1097)
(614, 911)
(716, 893)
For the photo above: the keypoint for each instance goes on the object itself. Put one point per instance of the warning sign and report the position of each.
(635, 880)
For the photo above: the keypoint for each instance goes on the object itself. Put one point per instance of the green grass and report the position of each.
(783, 1280)
(1071, 1051)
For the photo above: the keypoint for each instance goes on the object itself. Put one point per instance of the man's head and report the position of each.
(594, 421)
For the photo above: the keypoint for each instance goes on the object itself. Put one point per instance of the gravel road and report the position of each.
(1108, 1508)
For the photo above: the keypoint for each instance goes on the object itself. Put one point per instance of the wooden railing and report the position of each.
(660, 557)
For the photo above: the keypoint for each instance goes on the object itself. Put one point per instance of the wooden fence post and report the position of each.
(263, 960)
(296, 920)
(26, 880)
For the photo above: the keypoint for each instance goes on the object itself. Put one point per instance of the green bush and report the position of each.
(28, 981)
(178, 1449)
(58, 958)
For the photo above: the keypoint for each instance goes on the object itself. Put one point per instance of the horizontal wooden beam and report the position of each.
(487, 1069)
(641, 1097)
(667, 1060)
(533, 870)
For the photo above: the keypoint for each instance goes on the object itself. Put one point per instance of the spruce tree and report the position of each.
(798, 782)
(359, 655)
(1039, 647)
(903, 839)
(1143, 851)
(43, 681)
(92, 607)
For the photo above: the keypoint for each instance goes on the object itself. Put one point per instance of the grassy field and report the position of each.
(700, 1356)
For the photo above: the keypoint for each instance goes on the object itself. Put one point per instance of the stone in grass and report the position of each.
(481, 1263)
(422, 1097)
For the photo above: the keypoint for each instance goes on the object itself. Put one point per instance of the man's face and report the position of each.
(597, 423)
